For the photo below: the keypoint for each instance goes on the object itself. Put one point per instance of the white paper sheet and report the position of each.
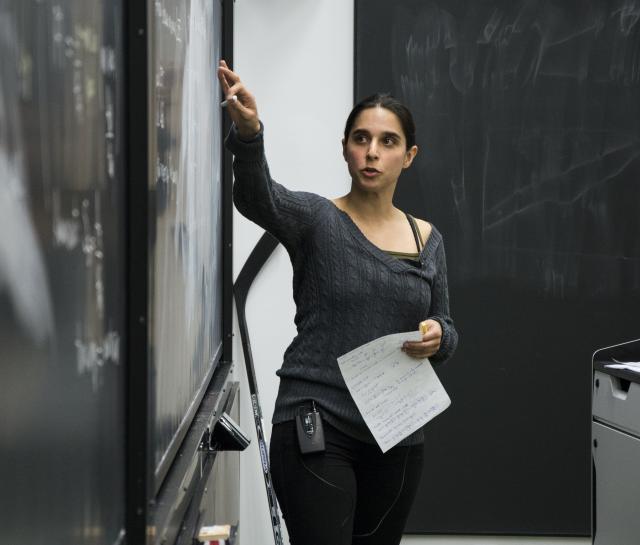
(395, 393)
(629, 365)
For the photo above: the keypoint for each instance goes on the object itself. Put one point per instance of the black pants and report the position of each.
(349, 494)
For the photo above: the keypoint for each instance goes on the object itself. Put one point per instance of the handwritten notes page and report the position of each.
(395, 393)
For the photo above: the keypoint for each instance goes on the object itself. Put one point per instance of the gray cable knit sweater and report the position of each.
(347, 291)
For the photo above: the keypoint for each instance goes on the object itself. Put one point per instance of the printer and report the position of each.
(616, 444)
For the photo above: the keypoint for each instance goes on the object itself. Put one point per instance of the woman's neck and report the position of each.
(368, 207)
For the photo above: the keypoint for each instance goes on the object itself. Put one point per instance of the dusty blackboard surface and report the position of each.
(61, 273)
(528, 126)
(185, 246)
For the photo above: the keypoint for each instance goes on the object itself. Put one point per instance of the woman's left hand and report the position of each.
(430, 343)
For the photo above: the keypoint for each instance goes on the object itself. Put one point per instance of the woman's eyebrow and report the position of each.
(391, 134)
(386, 134)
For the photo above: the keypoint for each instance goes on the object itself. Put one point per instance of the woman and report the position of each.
(361, 269)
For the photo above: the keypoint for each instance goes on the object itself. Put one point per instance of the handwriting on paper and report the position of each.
(395, 393)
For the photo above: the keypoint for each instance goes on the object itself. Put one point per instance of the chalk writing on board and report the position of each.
(66, 230)
(93, 355)
(395, 393)
(80, 228)
(110, 134)
(173, 24)
(551, 150)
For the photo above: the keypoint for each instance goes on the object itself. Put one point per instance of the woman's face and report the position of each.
(376, 150)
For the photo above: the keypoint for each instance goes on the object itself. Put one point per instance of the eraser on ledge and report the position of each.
(213, 533)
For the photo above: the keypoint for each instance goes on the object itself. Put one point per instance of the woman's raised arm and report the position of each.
(286, 214)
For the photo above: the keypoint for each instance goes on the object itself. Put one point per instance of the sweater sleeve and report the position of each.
(439, 309)
(283, 213)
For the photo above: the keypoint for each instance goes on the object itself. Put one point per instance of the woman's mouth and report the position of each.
(370, 172)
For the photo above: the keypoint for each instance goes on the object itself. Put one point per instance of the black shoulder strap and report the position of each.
(416, 231)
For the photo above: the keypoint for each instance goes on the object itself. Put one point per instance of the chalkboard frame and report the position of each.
(144, 483)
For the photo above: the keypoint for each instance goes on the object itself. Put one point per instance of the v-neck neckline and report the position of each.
(392, 262)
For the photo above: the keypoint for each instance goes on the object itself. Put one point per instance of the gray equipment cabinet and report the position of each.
(616, 446)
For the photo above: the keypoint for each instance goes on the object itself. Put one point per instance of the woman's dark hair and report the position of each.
(385, 100)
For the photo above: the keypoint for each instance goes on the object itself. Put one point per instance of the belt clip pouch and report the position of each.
(309, 429)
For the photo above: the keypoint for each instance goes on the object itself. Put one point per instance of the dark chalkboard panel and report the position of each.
(185, 252)
(528, 127)
(61, 273)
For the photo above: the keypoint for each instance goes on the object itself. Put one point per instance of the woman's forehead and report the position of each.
(378, 119)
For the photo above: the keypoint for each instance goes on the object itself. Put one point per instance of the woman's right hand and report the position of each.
(244, 111)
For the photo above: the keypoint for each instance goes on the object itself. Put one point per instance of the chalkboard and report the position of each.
(61, 273)
(185, 251)
(528, 125)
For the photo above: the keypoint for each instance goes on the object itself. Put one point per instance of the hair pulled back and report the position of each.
(389, 102)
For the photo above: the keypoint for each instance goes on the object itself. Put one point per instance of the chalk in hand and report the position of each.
(224, 103)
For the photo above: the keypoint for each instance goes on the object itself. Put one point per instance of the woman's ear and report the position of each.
(344, 149)
(409, 156)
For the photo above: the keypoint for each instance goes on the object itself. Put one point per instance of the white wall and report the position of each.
(296, 56)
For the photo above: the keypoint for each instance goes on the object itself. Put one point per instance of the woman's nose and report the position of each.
(372, 151)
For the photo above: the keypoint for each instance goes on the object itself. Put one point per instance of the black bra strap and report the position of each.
(416, 233)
